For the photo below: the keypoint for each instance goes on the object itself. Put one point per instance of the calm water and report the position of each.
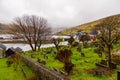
(26, 47)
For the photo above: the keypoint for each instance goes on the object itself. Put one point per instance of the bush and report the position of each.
(95, 43)
(75, 44)
(79, 48)
(64, 56)
(71, 40)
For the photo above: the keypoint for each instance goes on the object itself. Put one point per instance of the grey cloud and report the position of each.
(60, 13)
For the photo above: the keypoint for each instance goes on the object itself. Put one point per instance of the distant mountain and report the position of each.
(3, 28)
(87, 27)
(58, 29)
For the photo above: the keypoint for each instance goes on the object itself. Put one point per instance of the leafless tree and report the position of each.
(109, 30)
(84, 38)
(56, 42)
(33, 29)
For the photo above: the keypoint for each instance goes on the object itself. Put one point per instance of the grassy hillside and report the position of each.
(84, 27)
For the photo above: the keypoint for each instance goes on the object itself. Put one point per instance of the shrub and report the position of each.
(79, 48)
(71, 40)
(75, 44)
(64, 56)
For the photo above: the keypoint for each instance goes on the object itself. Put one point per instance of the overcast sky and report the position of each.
(59, 13)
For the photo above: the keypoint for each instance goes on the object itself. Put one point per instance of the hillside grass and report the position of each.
(82, 64)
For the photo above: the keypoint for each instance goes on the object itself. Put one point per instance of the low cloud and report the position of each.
(60, 13)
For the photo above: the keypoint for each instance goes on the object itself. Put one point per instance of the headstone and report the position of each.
(46, 57)
(114, 65)
(107, 55)
(55, 52)
(32, 56)
(48, 52)
(97, 72)
(9, 62)
(39, 60)
(12, 48)
(79, 48)
(43, 62)
(104, 62)
(100, 54)
(56, 69)
(82, 54)
(18, 49)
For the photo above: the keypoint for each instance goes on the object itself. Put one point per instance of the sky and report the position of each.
(59, 13)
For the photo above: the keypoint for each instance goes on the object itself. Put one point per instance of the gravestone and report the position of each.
(97, 72)
(104, 62)
(55, 69)
(79, 48)
(100, 53)
(12, 48)
(82, 54)
(43, 62)
(18, 49)
(113, 65)
(39, 60)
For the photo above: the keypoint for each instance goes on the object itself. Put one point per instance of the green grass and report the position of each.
(8, 73)
(81, 63)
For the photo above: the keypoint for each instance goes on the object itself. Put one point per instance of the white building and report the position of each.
(61, 37)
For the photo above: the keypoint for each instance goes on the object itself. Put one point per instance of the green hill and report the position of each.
(87, 27)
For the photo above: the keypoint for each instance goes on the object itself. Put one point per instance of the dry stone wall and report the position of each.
(42, 71)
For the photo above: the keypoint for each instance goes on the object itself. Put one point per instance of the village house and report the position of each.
(78, 35)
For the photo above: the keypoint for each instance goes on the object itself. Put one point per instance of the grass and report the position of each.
(8, 73)
(81, 63)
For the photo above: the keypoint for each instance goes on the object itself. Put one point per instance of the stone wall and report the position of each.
(42, 71)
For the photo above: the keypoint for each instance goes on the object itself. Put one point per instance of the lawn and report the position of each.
(8, 73)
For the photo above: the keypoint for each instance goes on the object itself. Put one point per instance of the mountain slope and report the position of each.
(87, 27)
(4, 28)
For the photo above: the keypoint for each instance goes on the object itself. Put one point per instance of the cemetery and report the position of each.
(84, 63)
(76, 61)
(90, 51)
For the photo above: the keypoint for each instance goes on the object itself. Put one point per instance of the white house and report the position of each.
(61, 37)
